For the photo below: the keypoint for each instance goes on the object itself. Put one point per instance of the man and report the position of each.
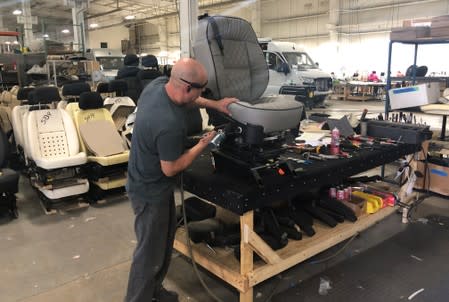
(157, 155)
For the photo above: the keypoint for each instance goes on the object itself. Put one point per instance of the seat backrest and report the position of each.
(229, 50)
(91, 111)
(133, 87)
(146, 76)
(120, 108)
(51, 134)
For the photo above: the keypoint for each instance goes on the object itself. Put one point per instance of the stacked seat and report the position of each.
(107, 154)
(17, 119)
(71, 93)
(120, 106)
(51, 144)
(9, 180)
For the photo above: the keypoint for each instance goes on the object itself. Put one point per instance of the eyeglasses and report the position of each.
(194, 85)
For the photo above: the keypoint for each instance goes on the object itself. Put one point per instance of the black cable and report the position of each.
(336, 253)
(189, 245)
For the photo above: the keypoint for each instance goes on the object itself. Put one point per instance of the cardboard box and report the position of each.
(437, 178)
(409, 33)
(413, 96)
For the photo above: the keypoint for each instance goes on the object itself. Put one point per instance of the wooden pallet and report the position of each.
(244, 275)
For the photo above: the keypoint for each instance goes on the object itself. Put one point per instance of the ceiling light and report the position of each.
(15, 42)
(17, 12)
(93, 25)
(7, 42)
(45, 36)
(130, 17)
(65, 31)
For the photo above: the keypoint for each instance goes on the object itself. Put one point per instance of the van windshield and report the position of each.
(110, 62)
(299, 59)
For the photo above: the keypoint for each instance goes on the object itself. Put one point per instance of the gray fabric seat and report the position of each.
(230, 52)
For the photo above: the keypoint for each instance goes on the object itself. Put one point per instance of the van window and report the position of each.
(110, 62)
(273, 61)
(301, 59)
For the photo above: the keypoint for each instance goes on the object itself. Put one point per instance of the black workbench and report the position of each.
(242, 194)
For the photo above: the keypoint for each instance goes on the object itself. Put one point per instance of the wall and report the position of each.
(113, 36)
(345, 36)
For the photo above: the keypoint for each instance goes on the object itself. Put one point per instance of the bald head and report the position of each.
(190, 70)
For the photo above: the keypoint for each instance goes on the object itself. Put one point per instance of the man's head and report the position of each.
(188, 79)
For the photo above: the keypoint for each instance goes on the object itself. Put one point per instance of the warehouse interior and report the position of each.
(327, 181)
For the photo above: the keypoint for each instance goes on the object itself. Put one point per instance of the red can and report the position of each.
(333, 192)
(341, 194)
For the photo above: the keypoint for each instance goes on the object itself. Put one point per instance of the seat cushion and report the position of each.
(440, 109)
(273, 113)
(110, 160)
(9, 181)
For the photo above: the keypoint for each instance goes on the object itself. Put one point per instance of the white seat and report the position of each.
(120, 108)
(51, 142)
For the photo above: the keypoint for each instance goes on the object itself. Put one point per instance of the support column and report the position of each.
(334, 20)
(188, 22)
(255, 18)
(27, 22)
(163, 35)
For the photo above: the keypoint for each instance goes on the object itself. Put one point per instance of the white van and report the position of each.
(110, 60)
(292, 71)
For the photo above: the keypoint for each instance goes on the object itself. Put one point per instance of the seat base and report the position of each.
(8, 204)
(9, 181)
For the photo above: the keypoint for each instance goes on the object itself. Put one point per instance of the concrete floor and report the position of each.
(84, 255)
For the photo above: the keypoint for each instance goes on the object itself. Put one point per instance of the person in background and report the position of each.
(373, 77)
(157, 156)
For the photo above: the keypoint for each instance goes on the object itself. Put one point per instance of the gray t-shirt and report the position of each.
(159, 134)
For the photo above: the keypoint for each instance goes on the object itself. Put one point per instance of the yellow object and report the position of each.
(373, 202)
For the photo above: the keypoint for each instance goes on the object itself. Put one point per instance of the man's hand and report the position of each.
(207, 137)
(222, 105)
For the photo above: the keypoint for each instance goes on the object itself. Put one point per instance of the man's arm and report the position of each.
(171, 168)
(220, 105)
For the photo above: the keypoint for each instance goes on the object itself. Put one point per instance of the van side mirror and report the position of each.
(283, 68)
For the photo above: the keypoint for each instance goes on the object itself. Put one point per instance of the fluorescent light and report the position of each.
(130, 17)
(45, 36)
(7, 42)
(93, 25)
(15, 42)
(17, 12)
(65, 31)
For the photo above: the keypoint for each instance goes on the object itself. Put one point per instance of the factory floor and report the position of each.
(84, 254)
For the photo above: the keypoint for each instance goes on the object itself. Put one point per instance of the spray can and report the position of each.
(335, 141)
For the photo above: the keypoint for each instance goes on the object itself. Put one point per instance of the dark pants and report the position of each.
(155, 226)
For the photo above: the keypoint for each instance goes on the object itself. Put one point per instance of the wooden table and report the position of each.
(241, 197)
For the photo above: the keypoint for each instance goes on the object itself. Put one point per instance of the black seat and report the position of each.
(149, 73)
(9, 180)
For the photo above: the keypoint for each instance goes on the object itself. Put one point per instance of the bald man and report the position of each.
(157, 156)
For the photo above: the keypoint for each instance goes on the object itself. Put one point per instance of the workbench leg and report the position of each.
(246, 254)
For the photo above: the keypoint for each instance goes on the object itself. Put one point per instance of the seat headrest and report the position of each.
(150, 61)
(44, 95)
(103, 88)
(24, 92)
(118, 86)
(131, 60)
(90, 100)
(75, 89)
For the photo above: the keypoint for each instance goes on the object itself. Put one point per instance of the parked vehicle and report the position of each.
(292, 71)
(110, 60)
